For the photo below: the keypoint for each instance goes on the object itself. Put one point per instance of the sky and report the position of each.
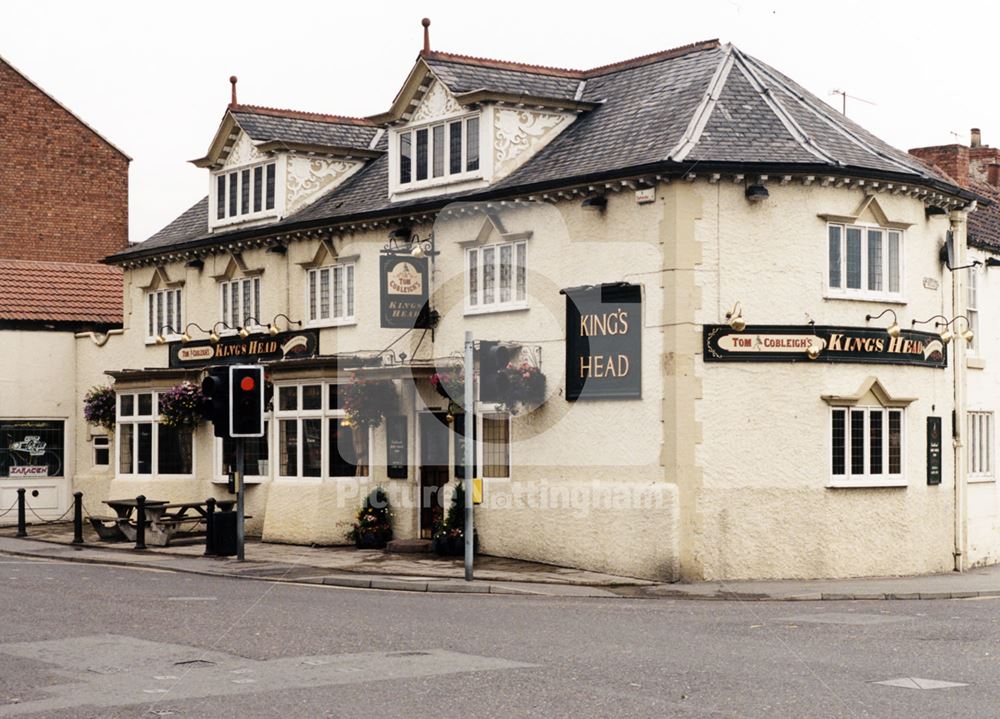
(153, 78)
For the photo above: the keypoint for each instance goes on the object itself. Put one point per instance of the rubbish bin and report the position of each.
(224, 534)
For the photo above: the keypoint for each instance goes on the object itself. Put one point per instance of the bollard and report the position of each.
(209, 526)
(140, 522)
(21, 529)
(77, 517)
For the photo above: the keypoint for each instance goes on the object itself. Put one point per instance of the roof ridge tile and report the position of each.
(301, 115)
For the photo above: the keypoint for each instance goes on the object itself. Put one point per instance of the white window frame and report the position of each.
(864, 293)
(493, 411)
(348, 299)
(102, 441)
(474, 303)
(867, 479)
(447, 178)
(153, 418)
(226, 174)
(155, 313)
(980, 441)
(251, 477)
(244, 285)
(324, 414)
(972, 309)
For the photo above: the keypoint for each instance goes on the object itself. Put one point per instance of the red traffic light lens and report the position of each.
(247, 384)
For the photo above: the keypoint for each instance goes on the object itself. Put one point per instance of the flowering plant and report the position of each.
(525, 385)
(373, 525)
(183, 406)
(367, 402)
(449, 533)
(99, 407)
(451, 386)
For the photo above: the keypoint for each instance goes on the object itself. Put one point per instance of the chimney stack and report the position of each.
(977, 138)
(993, 174)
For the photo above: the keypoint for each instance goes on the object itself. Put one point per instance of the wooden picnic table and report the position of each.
(163, 519)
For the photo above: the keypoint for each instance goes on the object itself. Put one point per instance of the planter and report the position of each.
(371, 540)
(453, 546)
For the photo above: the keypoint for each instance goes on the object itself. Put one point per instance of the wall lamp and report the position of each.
(946, 334)
(814, 349)
(197, 263)
(597, 202)
(734, 318)
(185, 338)
(244, 331)
(272, 327)
(214, 336)
(161, 338)
(756, 193)
(893, 330)
(992, 262)
(277, 249)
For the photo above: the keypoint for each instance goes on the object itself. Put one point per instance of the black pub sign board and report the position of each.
(788, 343)
(604, 342)
(933, 450)
(404, 285)
(236, 350)
(396, 447)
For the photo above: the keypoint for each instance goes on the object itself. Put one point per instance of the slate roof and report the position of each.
(699, 107)
(60, 292)
(983, 230)
(263, 124)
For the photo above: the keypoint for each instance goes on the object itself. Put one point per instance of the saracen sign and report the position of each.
(252, 350)
(809, 343)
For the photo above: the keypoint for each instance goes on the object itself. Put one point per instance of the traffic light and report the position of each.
(493, 360)
(215, 387)
(246, 401)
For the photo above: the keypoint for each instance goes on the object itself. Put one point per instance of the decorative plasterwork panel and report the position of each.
(437, 102)
(309, 177)
(519, 134)
(243, 153)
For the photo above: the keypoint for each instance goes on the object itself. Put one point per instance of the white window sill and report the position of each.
(981, 479)
(866, 483)
(246, 480)
(318, 324)
(975, 362)
(492, 310)
(156, 477)
(865, 297)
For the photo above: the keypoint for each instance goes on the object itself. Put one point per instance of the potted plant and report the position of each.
(449, 535)
(99, 407)
(525, 385)
(183, 406)
(373, 526)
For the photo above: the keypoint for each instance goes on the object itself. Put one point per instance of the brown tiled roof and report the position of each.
(60, 292)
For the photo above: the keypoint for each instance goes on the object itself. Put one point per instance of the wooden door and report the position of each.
(435, 434)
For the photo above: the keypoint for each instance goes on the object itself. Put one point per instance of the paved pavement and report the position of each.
(371, 569)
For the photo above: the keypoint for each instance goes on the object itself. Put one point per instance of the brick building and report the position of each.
(63, 187)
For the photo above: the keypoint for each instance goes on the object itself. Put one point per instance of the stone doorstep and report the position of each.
(408, 546)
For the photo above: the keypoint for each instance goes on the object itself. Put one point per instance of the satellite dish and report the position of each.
(947, 253)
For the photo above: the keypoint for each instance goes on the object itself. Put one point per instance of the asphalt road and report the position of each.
(84, 640)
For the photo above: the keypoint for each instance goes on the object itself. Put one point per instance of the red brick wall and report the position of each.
(953, 159)
(63, 190)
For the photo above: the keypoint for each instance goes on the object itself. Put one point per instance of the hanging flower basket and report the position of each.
(183, 406)
(525, 386)
(99, 407)
(368, 402)
(450, 384)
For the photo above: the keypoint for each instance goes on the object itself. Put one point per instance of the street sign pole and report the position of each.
(469, 431)
(239, 498)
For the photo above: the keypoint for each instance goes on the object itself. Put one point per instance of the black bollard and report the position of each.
(77, 517)
(21, 529)
(209, 526)
(140, 522)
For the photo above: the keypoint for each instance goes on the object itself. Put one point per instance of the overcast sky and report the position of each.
(153, 77)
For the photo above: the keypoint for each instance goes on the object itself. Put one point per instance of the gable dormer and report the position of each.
(266, 164)
(464, 123)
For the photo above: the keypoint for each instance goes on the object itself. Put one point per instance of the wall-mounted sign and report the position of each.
(790, 343)
(404, 285)
(396, 447)
(603, 342)
(252, 350)
(933, 450)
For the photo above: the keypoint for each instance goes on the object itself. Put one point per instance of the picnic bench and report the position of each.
(163, 519)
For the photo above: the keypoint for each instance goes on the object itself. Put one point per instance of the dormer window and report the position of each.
(245, 193)
(438, 152)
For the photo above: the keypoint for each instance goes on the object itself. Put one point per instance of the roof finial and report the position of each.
(232, 81)
(426, 22)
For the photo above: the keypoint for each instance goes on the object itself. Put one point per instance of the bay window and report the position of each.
(864, 262)
(145, 446)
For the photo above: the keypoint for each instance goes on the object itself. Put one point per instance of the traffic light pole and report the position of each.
(470, 432)
(239, 498)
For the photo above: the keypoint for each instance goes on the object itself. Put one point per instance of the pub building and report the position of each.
(735, 295)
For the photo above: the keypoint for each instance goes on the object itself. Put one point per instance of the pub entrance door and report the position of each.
(435, 435)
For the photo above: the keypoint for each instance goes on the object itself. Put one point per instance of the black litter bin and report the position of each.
(224, 534)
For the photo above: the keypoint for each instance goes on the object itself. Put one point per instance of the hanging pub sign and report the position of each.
(233, 349)
(933, 450)
(603, 342)
(808, 343)
(404, 284)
